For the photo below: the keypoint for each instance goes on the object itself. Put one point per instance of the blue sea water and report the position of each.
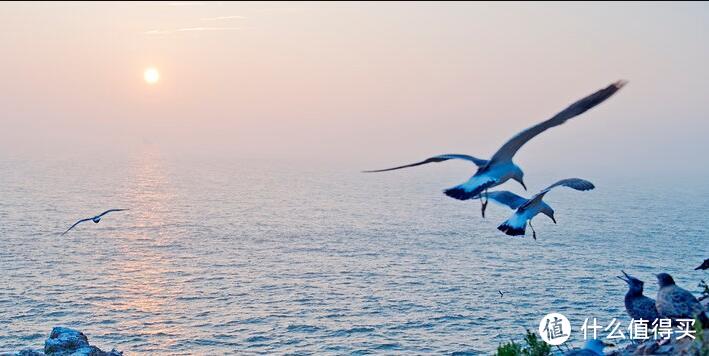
(233, 257)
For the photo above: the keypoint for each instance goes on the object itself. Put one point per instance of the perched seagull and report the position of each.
(674, 302)
(95, 219)
(704, 265)
(593, 347)
(637, 305)
(526, 210)
(500, 168)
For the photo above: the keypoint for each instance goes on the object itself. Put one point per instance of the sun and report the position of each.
(151, 75)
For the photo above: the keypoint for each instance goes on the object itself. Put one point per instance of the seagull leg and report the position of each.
(534, 233)
(482, 206)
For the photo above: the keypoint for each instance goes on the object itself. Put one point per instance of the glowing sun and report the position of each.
(151, 75)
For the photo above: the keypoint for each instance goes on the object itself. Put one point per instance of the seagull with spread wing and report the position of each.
(95, 219)
(527, 209)
(500, 168)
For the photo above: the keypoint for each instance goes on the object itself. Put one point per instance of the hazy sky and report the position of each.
(363, 84)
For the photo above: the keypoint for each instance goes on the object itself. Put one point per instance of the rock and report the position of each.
(685, 346)
(664, 350)
(647, 348)
(29, 352)
(68, 342)
(65, 341)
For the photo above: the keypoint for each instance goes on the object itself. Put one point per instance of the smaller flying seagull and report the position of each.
(526, 210)
(704, 265)
(95, 219)
(501, 294)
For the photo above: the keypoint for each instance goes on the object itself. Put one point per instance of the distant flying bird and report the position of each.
(593, 347)
(637, 305)
(674, 302)
(527, 209)
(501, 295)
(704, 265)
(500, 168)
(95, 219)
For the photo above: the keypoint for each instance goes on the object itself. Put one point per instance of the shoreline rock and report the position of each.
(68, 342)
(686, 346)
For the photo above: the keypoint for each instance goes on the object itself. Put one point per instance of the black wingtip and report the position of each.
(620, 83)
(457, 193)
(511, 230)
(462, 194)
(380, 170)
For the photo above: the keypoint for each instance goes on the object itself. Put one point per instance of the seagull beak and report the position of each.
(625, 279)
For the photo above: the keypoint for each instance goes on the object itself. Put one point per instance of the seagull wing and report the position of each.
(110, 210)
(508, 150)
(504, 197)
(574, 183)
(682, 304)
(645, 308)
(440, 158)
(76, 223)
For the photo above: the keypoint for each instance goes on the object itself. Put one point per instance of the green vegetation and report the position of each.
(509, 349)
(534, 347)
(699, 332)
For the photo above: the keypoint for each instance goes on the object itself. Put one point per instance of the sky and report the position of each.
(364, 85)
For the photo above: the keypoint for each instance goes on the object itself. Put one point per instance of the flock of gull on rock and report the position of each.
(672, 302)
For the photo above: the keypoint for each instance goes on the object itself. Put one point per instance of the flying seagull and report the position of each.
(527, 209)
(95, 219)
(674, 302)
(501, 294)
(500, 168)
(637, 305)
(704, 265)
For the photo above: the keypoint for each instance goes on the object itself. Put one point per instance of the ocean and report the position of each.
(229, 257)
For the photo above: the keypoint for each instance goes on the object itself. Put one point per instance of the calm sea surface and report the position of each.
(223, 258)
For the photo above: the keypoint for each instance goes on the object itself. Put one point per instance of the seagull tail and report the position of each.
(465, 191)
(512, 229)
